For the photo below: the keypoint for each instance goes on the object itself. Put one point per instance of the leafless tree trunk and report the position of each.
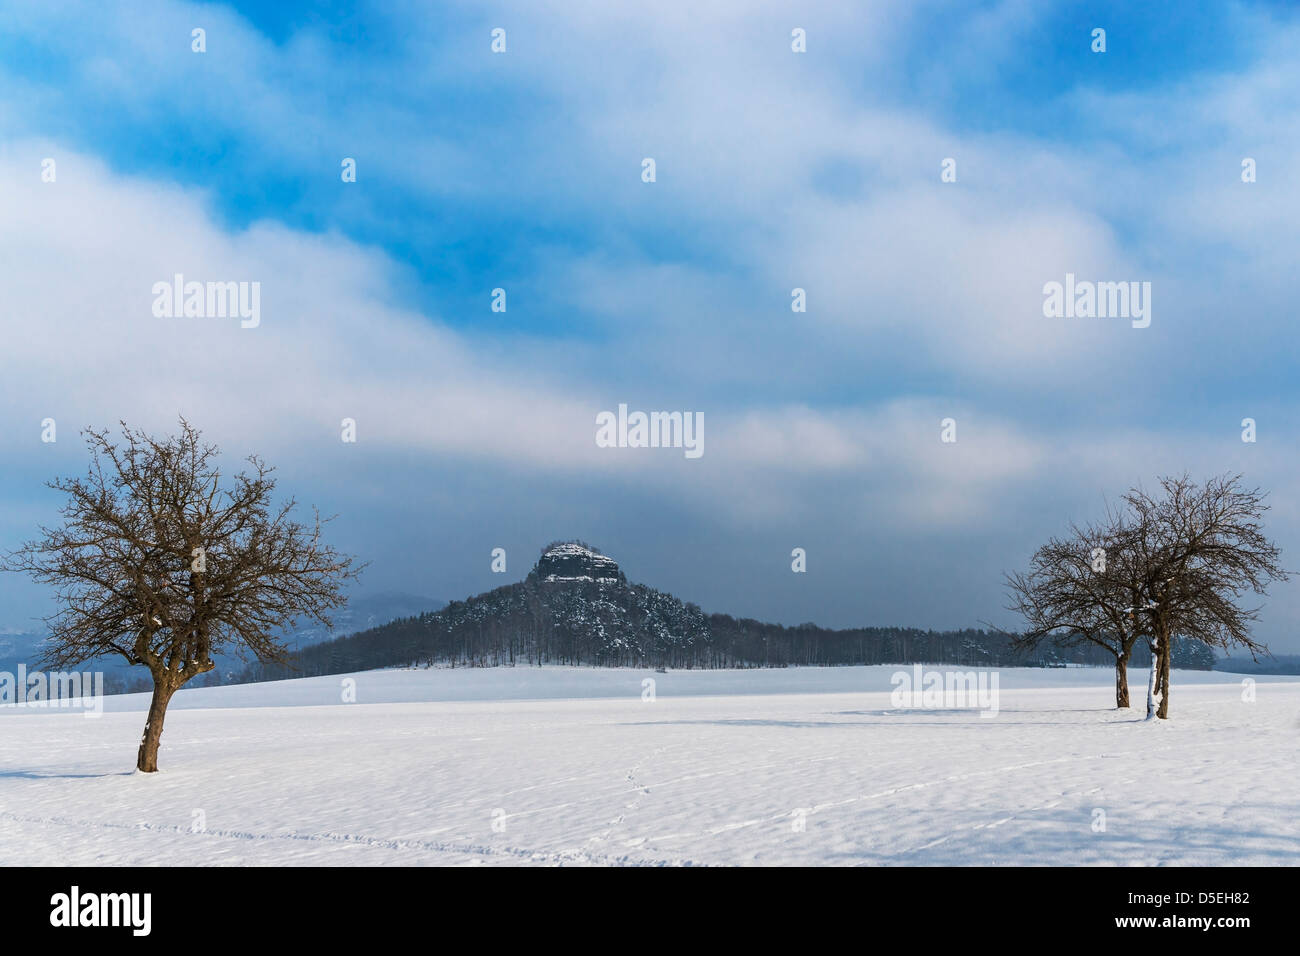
(147, 756)
(1121, 680)
(1153, 680)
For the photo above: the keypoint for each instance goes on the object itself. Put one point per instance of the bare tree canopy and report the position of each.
(1203, 551)
(158, 561)
(1082, 588)
(1176, 563)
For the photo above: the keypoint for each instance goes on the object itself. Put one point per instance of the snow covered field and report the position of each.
(573, 766)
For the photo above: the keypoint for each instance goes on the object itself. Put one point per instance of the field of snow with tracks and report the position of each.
(580, 766)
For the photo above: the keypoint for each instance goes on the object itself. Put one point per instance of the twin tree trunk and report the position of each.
(146, 759)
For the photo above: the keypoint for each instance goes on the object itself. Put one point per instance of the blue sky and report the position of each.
(775, 170)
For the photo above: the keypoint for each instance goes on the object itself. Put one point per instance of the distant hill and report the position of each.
(576, 607)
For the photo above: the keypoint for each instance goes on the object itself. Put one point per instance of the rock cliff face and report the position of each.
(575, 561)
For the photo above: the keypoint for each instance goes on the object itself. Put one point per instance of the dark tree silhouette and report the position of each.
(159, 562)
(1176, 565)
(1202, 550)
(1082, 589)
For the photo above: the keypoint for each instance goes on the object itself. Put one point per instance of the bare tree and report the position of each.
(159, 562)
(1081, 589)
(1171, 565)
(1202, 549)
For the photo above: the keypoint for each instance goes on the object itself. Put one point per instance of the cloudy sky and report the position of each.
(775, 170)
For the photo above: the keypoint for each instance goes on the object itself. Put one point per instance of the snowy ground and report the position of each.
(799, 766)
